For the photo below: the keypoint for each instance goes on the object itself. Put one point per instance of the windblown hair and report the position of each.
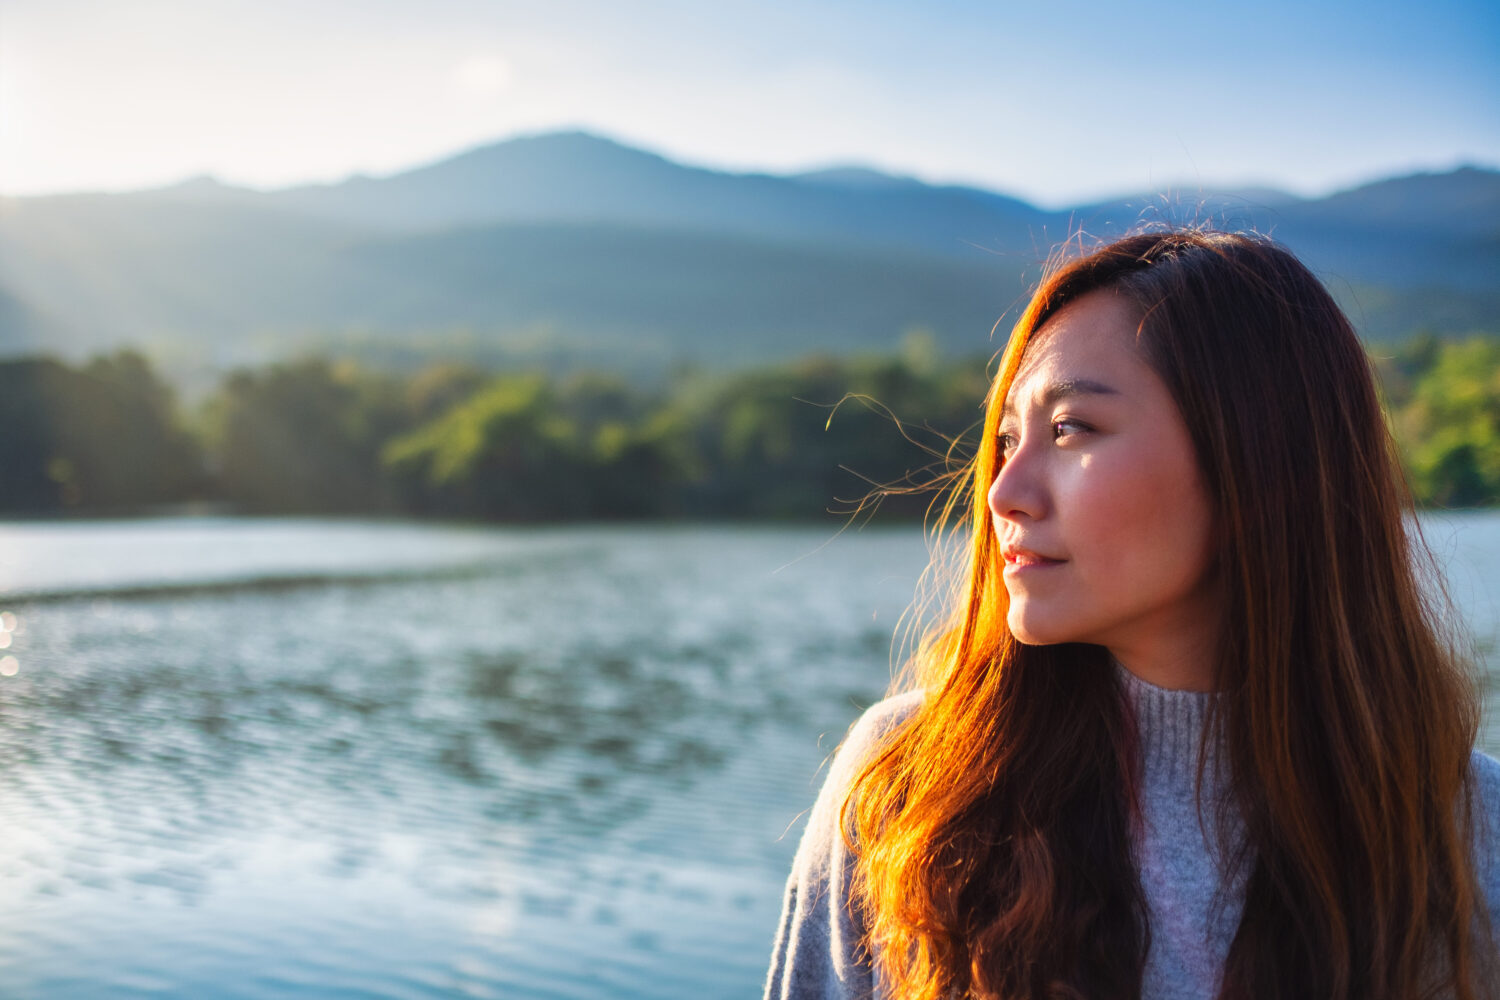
(993, 829)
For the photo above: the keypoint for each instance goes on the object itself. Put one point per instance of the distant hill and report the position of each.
(572, 177)
(621, 256)
(21, 329)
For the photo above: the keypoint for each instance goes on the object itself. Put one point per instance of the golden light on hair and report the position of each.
(993, 829)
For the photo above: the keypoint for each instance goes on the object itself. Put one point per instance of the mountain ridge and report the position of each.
(610, 245)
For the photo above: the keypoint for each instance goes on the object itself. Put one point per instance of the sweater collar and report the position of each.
(1169, 725)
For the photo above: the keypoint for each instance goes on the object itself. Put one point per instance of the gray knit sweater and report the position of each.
(817, 954)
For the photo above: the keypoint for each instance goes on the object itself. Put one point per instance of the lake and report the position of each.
(297, 758)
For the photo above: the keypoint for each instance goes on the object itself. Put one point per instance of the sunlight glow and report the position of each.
(481, 76)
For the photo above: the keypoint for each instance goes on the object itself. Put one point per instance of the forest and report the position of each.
(866, 435)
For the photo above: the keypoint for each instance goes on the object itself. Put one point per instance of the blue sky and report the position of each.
(1057, 102)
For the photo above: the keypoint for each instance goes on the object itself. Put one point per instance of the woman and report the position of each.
(1193, 729)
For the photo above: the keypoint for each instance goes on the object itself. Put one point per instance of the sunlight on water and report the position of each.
(301, 759)
(564, 771)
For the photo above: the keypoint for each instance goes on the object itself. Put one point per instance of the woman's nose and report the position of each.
(1017, 491)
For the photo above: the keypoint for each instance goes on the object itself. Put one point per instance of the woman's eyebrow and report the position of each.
(1063, 389)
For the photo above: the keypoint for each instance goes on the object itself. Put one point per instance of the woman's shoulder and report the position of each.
(819, 948)
(1484, 772)
(865, 738)
(880, 719)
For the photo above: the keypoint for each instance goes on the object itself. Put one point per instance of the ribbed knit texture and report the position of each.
(1183, 867)
(818, 955)
(1168, 723)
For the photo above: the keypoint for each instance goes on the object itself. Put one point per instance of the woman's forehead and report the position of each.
(1093, 338)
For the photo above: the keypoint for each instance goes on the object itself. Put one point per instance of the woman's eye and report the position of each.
(1060, 429)
(1066, 428)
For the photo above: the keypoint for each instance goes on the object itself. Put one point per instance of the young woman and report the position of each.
(1193, 728)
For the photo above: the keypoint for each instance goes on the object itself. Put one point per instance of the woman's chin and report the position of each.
(1031, 631)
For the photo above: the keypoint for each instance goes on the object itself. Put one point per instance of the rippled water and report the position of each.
(310, 759)
(254, 759)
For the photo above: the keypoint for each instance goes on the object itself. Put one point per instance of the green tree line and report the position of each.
(788, 440)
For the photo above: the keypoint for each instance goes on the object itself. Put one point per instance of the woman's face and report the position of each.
(1099, 505)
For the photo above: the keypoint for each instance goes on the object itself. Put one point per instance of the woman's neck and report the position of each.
(1172, 679)
(1184, 662)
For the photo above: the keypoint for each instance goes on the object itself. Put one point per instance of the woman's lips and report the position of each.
(1019, 558)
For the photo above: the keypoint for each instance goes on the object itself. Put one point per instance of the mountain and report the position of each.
(1466, 199)
(573, 177)
(22, 330)
(621, 256)
(693, 295)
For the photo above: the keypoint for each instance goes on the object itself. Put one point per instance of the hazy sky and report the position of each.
(1052, 100)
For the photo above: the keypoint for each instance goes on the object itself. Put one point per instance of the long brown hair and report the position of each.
(993, 830)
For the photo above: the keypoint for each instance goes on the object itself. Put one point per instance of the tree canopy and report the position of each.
(450, 440)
